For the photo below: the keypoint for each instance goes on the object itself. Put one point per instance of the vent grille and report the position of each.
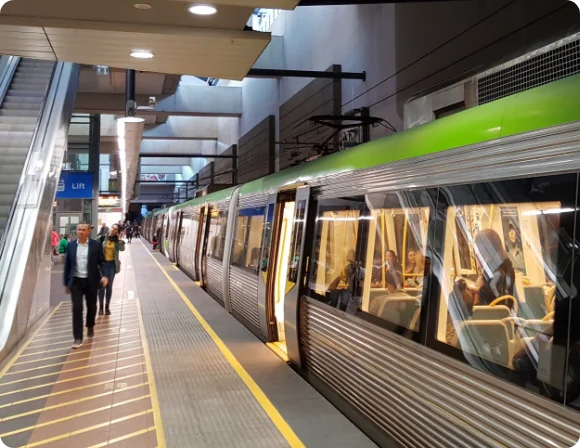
(547, 67)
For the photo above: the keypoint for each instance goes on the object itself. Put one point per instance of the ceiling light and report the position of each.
(203, 10)
(142, 54)
(142, 6)
(131, 119)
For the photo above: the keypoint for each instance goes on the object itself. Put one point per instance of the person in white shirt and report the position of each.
(83, 278)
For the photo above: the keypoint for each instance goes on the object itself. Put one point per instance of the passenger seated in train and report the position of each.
(415, 269)
(514, 249)
(393, 272)
(346, 290)
(542, 360)
(497, 278)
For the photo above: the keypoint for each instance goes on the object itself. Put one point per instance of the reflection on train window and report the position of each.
(248, 238)
(396, 260)
(506, 271)
(337, 273)
(217, 234)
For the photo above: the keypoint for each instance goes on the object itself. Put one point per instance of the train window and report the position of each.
(248, 239)
(396, 254)
(217, 234)
(505, 280)
(336, 275)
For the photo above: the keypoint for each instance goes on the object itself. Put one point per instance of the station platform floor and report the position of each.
(169, 368)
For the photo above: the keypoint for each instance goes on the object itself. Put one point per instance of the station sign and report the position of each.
(75, 185)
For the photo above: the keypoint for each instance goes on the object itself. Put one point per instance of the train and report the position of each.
(423, 282)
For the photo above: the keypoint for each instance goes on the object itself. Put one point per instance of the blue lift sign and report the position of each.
(74, 185)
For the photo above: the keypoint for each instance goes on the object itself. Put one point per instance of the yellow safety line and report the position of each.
(161, 443)
(69, 380)
(69, 362)
(260, 396)
(73, 416)
(74, 389)
(68, 403)
(17, 355)
(77, 352)
(107, 340)
(45, 375)
(53, 335)
(122, 438)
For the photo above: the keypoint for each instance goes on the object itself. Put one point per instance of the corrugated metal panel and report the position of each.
(420, 397)
(535, 153)
(215, 278)
(244, 294)
(221, 205)
(253, 200)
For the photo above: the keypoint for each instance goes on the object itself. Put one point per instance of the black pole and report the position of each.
(130, 93)
(275, 73)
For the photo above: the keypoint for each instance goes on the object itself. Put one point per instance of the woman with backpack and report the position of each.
(112, 245)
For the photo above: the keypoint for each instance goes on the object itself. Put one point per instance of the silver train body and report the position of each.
(397, 389)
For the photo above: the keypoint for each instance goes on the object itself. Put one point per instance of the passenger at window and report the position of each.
(377, 275)
(393, 272)
(415, 267)
(514, 248)
(348, 297)
(497, 277)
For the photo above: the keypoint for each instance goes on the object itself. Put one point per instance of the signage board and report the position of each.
(74, 185)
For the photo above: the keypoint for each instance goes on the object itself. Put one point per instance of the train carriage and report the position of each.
(424, 282)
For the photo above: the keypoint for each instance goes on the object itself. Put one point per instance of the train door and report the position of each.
(201, 249)
(287, 255)
(162, 246)
(178, 236)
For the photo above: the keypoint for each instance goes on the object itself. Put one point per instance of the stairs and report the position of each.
(19, 114)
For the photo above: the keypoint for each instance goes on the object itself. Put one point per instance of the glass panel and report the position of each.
(336, 274)
(505, 282)
(217, 234)
(248, 239)
(396, 254)
(267, 239)
(295, 244)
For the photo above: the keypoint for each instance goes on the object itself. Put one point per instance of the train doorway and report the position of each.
(282, 270)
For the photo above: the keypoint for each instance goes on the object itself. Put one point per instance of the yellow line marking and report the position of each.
(27, 343)
(122, 438)
(62, 405)
(68, 342)
(74, 389)
(53, 335)
(90, 428)
(44, 375)
(69, 380)
(260, 396)
(69, 353)
(69, 362)
(64, 419)
(161, 443)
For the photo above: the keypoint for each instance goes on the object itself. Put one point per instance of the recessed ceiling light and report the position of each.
(131, 120)
(142, 54)
(143, 6)
(203, 10)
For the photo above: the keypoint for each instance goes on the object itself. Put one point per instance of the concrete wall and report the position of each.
(404, 48)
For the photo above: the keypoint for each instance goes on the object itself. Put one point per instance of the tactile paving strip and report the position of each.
(204, 403)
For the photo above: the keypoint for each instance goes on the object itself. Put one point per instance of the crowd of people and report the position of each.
(90, 266)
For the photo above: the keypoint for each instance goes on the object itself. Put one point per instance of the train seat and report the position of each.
(400, 310)
(488, 339)
(497, 312)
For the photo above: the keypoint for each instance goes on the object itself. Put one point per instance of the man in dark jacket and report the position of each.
(83, 277)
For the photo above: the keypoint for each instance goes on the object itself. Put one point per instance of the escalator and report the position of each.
(36, 102)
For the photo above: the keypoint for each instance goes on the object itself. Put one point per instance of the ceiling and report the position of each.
(104, 32)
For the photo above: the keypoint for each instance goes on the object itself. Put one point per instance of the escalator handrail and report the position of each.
(7, 75)
(27, 163)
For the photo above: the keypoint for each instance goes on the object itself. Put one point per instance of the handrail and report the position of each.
(27, 164)
(6, 79)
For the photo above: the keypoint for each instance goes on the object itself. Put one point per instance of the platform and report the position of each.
(169, 368)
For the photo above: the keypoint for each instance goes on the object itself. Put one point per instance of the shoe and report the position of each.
(90, 332)
(101, 312)
(107, 311)
(77, 344)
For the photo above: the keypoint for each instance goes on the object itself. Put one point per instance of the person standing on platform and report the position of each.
(111, 245)
(54, 241)
(82, 278)
(62, 245)
(103, 230)
(129, 233)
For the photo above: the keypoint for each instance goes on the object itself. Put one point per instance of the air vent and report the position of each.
(535, 71)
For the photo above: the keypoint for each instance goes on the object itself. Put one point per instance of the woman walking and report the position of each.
(111, 245)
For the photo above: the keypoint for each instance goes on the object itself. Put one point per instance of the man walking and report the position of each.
(82, 277)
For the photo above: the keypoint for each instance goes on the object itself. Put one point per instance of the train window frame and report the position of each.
(221, 221)
(488, 194)
(248, 213)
